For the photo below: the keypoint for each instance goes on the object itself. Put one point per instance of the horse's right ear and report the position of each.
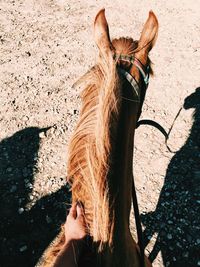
(101, 33)
(148, 36)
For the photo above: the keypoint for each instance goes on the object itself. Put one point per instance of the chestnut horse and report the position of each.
(101, 149)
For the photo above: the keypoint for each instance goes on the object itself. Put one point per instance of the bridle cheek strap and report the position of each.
(132, 81)
(136, 62)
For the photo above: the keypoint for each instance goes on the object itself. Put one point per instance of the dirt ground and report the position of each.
(45, 46)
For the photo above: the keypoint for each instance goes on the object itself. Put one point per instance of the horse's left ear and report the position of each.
(149, 35)
(101, 33)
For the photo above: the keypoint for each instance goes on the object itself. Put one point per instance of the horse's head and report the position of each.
(131, 56)
(193, 100)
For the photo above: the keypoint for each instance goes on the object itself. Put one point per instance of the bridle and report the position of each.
(134, 61)
(144, 72)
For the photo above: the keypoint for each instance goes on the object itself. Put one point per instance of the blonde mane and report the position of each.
(91, 148)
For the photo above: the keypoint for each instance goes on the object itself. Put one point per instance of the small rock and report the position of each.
(169, 236)
(198, 241)
(42, 135)
(25, 118)
(162, 225)
(25, 172)
(57, 133)
(20, 201)
(20, 210)
(23, 248)
(13, 189)
(185, 254)
(29, 185)
(48, 219)
(9, 169)
(28, 53)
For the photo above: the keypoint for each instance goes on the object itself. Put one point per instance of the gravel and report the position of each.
(45, 46)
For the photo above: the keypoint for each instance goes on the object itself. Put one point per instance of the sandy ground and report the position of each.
(44, 47)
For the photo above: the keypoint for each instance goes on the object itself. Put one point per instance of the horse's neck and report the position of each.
(124, 160)
(124, 248)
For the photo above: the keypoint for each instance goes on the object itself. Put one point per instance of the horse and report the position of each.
(100, 158)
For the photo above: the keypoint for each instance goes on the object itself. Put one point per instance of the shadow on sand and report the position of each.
(176, 218)
(24, 235)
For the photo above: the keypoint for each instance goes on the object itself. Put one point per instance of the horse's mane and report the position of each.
(91, 145)
(89, 169)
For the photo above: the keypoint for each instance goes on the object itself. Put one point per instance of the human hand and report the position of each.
(75, 226)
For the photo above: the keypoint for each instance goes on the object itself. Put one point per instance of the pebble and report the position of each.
(25, 118)
(162, 225)
(198, 241)
(13, 189)
(42, 135)
(48, 219)
(20, 210)
(29, 185)
(169, 236)
(20, 201)
(25, 174)
(23, 248)
(185, 254)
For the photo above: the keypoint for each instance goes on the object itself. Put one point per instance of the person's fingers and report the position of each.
(79, 210)
(72, 211)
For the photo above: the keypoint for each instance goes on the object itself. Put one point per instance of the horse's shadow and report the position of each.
(24, 234)
(176, 218)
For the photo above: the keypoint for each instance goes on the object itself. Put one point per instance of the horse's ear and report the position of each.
(149, 35)
(101, 33)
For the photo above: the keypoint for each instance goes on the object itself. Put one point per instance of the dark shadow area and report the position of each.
(176, 218)
(25, 234)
